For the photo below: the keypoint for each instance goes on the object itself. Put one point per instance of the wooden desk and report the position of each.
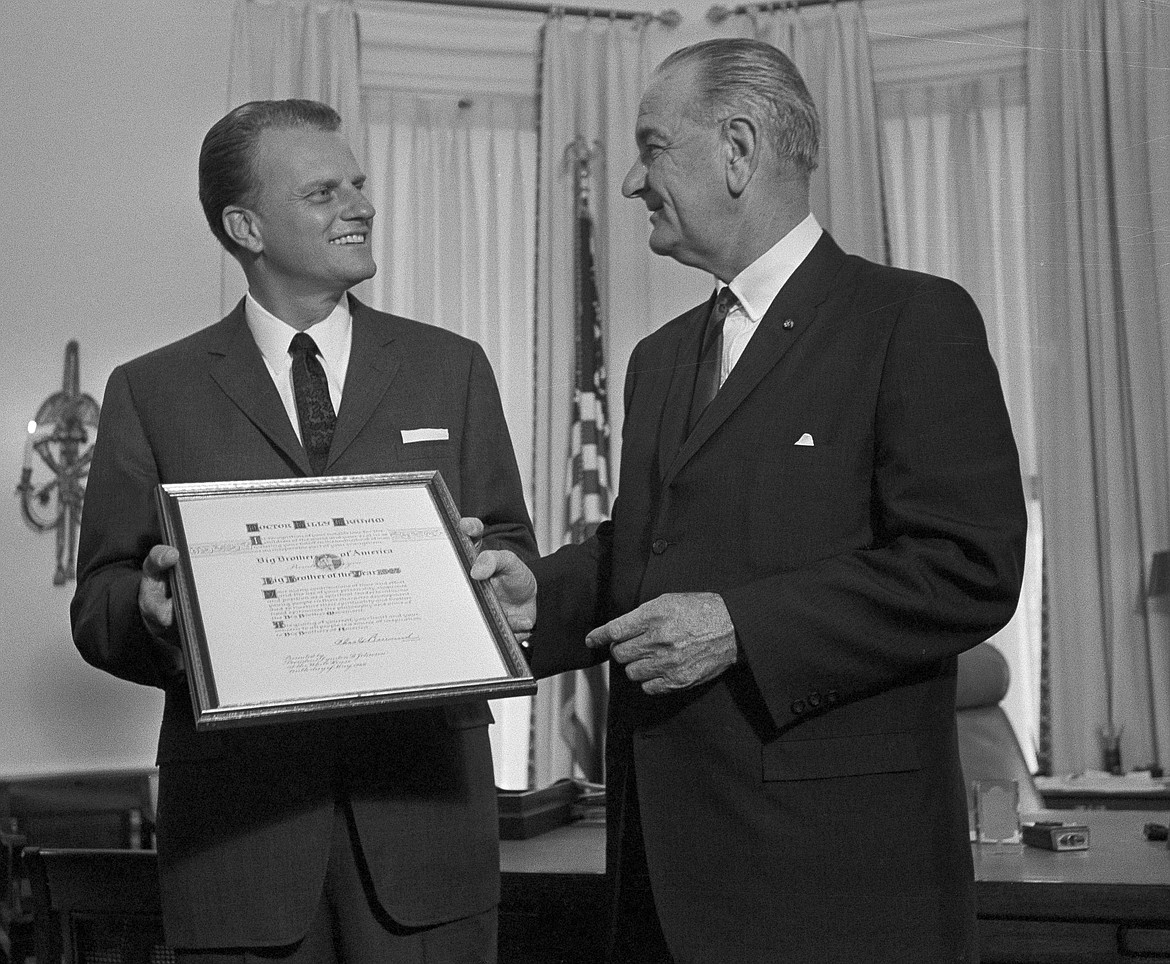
(553, 901)
(1110, 903)
(1104, 793)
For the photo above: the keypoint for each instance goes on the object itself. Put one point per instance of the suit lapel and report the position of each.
(372, 366)
(673, 427)
(238, 368)
(792, 312)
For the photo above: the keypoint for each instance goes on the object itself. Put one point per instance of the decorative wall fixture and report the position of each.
(57, 454)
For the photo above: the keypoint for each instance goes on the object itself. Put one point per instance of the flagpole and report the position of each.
(587, 501)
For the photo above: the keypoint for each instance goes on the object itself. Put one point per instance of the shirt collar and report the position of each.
(758, 284)
(273, 336)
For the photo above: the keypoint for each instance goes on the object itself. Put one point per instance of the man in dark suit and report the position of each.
(792, 568)
(364, 839)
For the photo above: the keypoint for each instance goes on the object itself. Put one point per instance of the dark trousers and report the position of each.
(350, 926)
(636, 935)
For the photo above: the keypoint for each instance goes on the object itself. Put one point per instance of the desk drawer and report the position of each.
(1047, 942)
(1070, 942)
(1150, 944)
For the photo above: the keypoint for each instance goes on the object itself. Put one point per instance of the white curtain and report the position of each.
(830, 47)
(592, 76)
(953, 163)
(454, 181)
(593, 72)
(294, 48)
(1099, 244)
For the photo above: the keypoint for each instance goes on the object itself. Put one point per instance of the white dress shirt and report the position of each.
(758, 284)
(333, 335)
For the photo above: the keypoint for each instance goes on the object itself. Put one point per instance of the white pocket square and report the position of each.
(424, 435)
(805, 439)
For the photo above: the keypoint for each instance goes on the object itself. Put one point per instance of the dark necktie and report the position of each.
(711, 357)
(314, 406)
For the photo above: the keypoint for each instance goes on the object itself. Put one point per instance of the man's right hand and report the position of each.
(154, 593)
(513, 582)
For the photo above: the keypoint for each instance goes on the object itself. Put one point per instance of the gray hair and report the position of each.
(738, 74)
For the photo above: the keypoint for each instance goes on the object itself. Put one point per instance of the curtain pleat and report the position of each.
(831, 48)
(953, 153)
(294, 48)
(592, 76)
(297, 48)
(453, 178)
(1099, 236)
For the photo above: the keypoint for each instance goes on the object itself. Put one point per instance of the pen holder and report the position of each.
(1111, 749)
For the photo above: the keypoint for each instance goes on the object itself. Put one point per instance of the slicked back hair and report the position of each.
(227, 160)
(735, 74)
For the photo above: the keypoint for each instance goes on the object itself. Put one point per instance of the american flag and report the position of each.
(587, 503)
(588, 500)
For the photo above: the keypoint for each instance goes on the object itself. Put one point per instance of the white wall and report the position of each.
(103, 109)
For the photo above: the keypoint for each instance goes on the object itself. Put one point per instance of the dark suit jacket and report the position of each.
(807, 805)
(245, 815)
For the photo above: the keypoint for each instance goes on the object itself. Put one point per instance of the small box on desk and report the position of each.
(529, 813)
(1055, 835)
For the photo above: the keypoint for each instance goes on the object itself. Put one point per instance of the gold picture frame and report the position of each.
(332, 595)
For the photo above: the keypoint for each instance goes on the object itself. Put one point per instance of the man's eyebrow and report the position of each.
(331, 182)
(318, 183)
(644, 132)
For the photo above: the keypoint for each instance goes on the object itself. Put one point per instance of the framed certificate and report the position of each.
(331, 595)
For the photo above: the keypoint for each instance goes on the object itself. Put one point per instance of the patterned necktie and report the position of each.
(314, 406)
(711, 357)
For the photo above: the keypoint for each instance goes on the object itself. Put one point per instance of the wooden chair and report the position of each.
(96, 906)
(80, 810)
(16, 942)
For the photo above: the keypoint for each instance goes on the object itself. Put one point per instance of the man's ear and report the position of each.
(744, 143)
(243, 227)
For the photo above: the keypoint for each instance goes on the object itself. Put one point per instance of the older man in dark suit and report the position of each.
(364, 839)
(820, 507)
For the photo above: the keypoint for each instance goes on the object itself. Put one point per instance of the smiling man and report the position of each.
(820, 507)
(364, 839)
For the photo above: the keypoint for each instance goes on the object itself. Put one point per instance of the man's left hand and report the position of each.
(671, 643)
(513, 582)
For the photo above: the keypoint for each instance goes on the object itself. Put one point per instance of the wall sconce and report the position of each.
(58, 450)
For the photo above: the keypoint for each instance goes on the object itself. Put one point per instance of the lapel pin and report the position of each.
(789, 323)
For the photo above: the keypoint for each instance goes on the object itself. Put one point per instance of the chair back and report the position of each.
(96, 905)
(16, 933)
(93, 810)
(988, 747)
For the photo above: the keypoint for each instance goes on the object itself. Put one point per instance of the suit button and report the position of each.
(814, 700)
(658, 547)
(831, 697)
(798, 707)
